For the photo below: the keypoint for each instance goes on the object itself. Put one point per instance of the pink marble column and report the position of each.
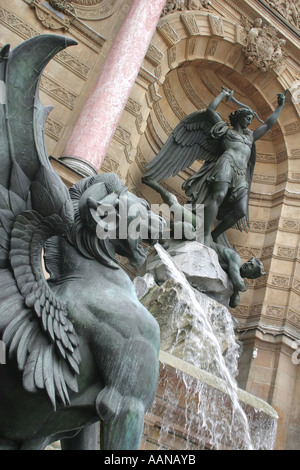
(102, 111)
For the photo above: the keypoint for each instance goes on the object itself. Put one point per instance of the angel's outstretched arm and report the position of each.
(261, 130)
(215, 103)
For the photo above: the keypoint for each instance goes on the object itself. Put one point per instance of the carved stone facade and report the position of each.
(199, 46)
(289, 9)
(263, 50)
(182, 5)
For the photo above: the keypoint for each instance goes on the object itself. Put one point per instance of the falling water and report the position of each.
(217, 418)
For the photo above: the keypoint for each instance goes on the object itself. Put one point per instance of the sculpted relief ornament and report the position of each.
(87, 9)
(289, 9)
(263, 49)
(180, 5)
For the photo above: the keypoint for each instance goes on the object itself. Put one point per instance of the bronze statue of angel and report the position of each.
(223, 183)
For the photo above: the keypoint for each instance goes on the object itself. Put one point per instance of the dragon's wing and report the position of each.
(190, 140)
(34, 205)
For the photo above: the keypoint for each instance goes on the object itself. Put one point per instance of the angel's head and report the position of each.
(242, 116)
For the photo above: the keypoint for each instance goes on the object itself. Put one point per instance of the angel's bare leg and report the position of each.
(238, 212)
(219, 191)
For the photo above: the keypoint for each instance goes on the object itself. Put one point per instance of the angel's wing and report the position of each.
(34, 205)
(190, 140)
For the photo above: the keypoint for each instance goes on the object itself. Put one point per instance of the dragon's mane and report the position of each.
(84, 239)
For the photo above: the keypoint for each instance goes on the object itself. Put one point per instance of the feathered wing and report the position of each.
(34, 205)
(190, 141)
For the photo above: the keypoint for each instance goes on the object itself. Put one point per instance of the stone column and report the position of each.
(101, 113)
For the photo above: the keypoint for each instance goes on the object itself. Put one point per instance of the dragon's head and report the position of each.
(111, 220)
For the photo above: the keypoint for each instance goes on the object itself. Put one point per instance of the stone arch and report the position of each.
(190, 40)
(191, 55)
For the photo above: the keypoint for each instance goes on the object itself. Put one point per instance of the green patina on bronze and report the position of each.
(81, 348)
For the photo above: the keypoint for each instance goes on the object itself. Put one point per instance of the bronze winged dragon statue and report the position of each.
(80, 346)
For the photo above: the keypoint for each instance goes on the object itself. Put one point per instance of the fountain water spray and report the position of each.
(214, 418)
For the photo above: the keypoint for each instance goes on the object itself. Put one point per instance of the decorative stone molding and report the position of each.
(266, 158)
(16, 24)
(189, 90)
(263, 226)
(63, 5)
(275, 311)
(168, 33)
(57, 91)
(263, 49)
(123, 136)
(172, 53)
(162, 119)
(111, 165)
(64, 16)
(74, 64)
(191, 24)
(267, 252)
(289, 9)
(153, 133)
(154, 55)
(96, 9)
(247, 252)
(255, 310)
(293, 317)
(25, 31)
(290, 225)
(133, 107)
(281, 282)
(181, 5)
(292, 128)
(216, 25)
(296, 285)
(168, 89)
(241, 311)
(140, 160)
(211, 47)
(53, 128)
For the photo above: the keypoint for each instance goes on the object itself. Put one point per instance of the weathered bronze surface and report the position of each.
(81, 348)
(229, 154)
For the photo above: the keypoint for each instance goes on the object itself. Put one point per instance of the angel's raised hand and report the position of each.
(227, 92)
(281, 99)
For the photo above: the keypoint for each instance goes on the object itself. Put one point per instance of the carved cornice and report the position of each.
(96, 9)
(25, 31)
(168, 89)
(173, 6)
(111, 165)
(289, 10)
(63, 18)
(123, 136)
(57, 91)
